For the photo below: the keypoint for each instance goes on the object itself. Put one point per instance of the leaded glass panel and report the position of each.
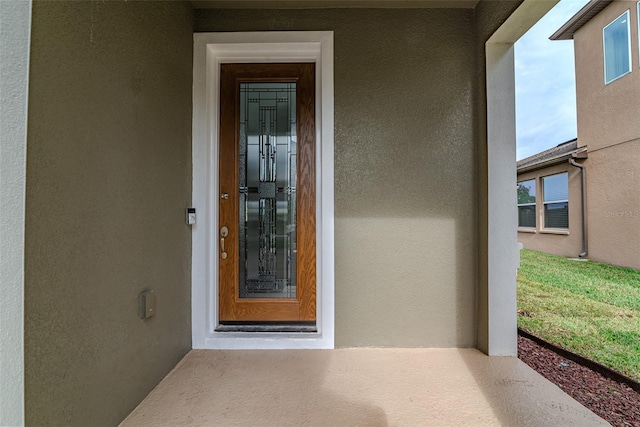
(267, 190)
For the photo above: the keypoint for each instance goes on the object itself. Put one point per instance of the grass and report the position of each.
(588, 308)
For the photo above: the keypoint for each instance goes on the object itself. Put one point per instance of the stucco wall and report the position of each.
(613, 205)
(608, 125)
(607, 114)
(567, 245)
(108, 179)
(404, 166)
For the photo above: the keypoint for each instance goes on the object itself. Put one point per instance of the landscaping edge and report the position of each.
(594, 366)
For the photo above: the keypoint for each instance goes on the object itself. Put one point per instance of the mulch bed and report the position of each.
(615, 402)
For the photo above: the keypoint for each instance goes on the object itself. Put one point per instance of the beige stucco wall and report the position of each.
(405, 218)
(614, 205)
(608, 125)
(108, 179)
(607, 114)
(567, 245)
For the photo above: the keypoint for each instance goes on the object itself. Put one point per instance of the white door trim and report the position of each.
(211, 50)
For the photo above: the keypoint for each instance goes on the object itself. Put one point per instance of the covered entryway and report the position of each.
(424, 246)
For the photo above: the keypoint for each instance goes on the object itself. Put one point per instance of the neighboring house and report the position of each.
(550, 201)
(110, 127)
(607, 62)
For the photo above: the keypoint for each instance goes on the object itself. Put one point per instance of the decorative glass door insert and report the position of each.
(267, 188)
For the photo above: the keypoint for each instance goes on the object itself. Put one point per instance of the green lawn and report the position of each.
(589, 308)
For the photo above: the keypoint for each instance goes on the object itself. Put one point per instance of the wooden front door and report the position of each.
(267, 217)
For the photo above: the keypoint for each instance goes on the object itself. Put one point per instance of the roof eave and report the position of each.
(583, 16)
(552, 161)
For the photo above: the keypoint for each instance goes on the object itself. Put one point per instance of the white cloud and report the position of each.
(545, 84)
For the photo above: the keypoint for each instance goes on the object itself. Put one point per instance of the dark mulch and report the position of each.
(617, 403)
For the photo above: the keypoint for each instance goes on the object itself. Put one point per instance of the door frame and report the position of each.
(211, 50)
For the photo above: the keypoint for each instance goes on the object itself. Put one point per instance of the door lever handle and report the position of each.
(224, 232)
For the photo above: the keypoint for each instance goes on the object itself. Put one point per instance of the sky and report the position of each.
(545, 84)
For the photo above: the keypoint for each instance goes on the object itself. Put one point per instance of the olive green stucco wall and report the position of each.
(108, 179)
(405, 184)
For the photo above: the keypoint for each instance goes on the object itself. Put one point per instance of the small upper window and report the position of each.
(527, 203)
(555, 197)
(617, 48)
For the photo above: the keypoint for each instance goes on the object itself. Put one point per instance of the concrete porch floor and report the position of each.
(359, 386)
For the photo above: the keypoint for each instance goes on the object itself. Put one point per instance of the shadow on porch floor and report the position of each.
(360, 386)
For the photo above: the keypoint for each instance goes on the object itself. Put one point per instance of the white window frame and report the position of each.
(211, 50)
(534, 204)
(638, 22)
(604, 47)
(544, 204)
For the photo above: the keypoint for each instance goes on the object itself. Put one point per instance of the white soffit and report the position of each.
(317, 4)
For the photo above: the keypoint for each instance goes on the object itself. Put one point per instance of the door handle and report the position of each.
(224, 232)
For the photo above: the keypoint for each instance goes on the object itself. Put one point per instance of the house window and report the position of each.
(638, 32)
(527, 203)
(555, 197)
(617, 48)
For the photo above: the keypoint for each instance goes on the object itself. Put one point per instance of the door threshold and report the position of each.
(267, 328)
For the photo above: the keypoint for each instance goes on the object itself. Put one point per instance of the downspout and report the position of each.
(583, 187)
